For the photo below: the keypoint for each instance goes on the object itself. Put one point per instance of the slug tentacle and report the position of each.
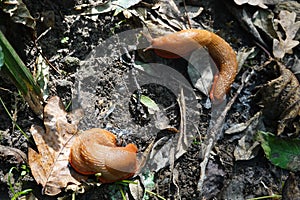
(182, 43)
(95, 151)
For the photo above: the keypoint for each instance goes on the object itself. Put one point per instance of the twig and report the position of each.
(215, 130)
(186, 15)
(43, 34)
(264, 49)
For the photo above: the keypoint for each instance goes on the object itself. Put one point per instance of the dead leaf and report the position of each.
(291, 6)
(281, 47)
(280, 98)
(259, 3)
(200, 70)
(18, 12)
(168, 16)
(42, 75)
(100, 7)
(244, 54)
(264, 20)
(136, 189)
(49, 166)
(291, 189)
(287, 20)
(247, 148)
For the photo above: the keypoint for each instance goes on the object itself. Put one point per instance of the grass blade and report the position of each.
(19, 74)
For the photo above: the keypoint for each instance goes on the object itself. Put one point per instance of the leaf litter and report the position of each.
(282, 46)
(49, 165)
(281, 50)
(280, 99)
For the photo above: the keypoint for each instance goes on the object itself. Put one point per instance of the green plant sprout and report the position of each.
(64, 40)
(112, 30)
(24, 171)
(196, 142)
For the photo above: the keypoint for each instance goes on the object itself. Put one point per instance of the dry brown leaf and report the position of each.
(49, 166)
(280, 98)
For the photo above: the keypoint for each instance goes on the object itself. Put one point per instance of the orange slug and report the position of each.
(95, 151)
(182, 43)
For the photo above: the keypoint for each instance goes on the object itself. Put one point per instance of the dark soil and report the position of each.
(113, 107)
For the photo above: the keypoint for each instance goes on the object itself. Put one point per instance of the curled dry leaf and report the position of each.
(280, 99)
(49, 166)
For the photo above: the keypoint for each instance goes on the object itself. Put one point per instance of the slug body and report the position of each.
(95, 151)
(182, 43)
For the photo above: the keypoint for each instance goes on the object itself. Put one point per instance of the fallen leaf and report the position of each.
(42, 75)
(18, 12)
(168, 16)
(281, 47)
(259, 3)
(100, 7)
(287, 20)
(264, 20)
(200, 70)
(289, 6)
(136, 189)
(148, 102)
(121, 5)
(247, 147)
(49, 166)
(280, 98)
(245, 53)
(170, 144)
(290, 189)
(282, 152)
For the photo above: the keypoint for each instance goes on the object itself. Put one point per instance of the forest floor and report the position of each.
(106, 90)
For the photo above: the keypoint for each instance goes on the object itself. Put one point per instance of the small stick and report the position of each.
(215, 131)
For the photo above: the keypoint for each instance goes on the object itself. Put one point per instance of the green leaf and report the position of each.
(282, 152)
(148, 102)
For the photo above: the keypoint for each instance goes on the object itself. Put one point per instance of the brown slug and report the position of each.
(182, 43)
(95, 151)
